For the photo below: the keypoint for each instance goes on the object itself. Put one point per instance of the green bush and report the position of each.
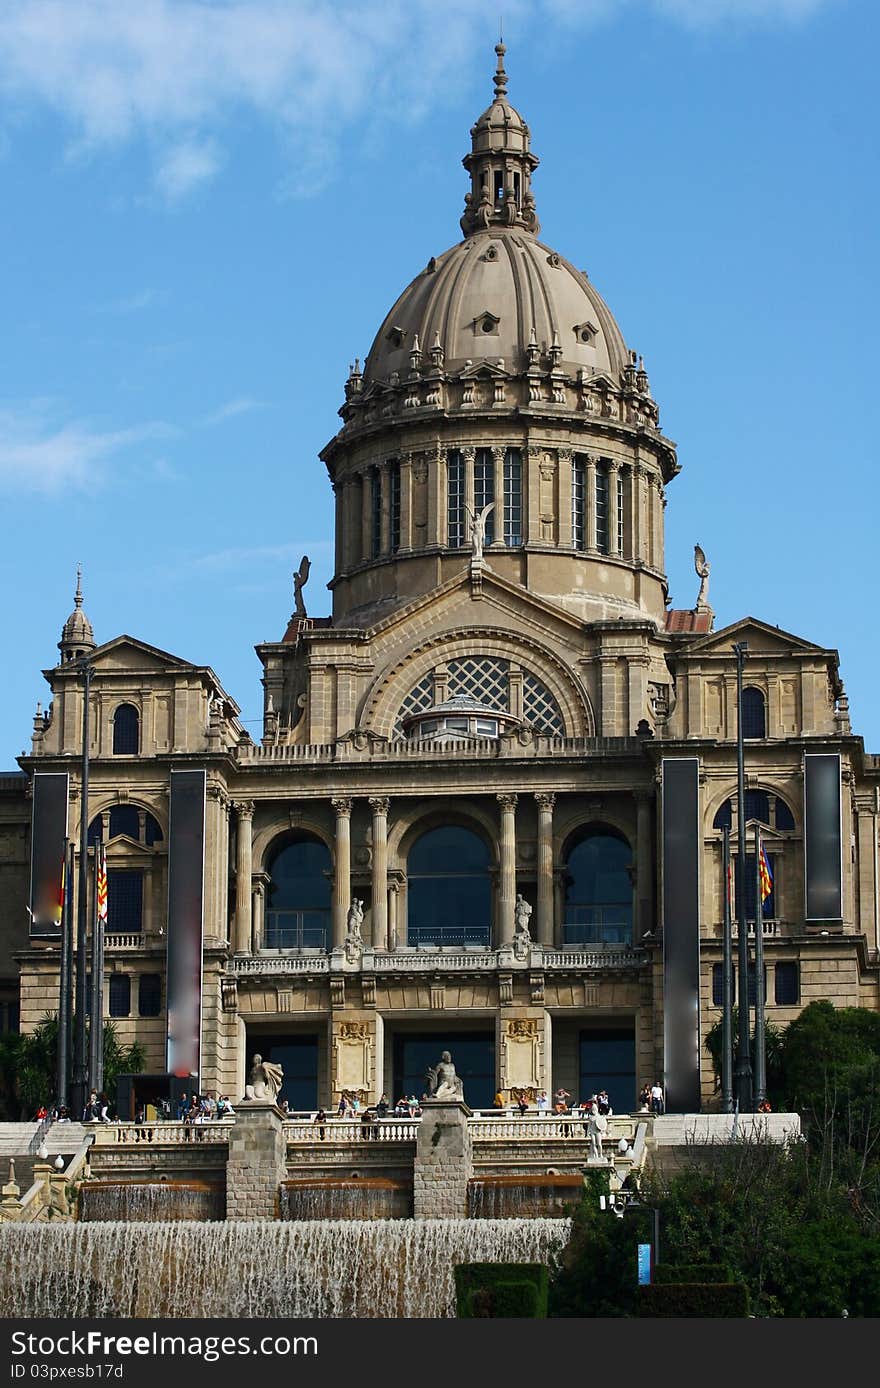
(692, 1272)
(691, 1299)
(500, 1290)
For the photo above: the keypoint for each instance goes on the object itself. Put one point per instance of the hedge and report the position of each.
(692, 1299)
(692, 1272)
(501, 1290)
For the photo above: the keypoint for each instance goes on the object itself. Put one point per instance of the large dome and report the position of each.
(487, 298)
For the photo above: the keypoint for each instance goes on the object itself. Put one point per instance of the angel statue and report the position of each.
(478, 529)
(300, 578)
(702, 566)
(264, 1080)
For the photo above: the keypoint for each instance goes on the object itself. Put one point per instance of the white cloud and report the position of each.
(242, 404)
(129, 303)
(182, 167)
(39, 456)
(173, 72)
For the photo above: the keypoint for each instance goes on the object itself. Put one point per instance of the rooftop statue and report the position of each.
(442, 1081)
(702, 566)
(300, 579)
(264, 1080)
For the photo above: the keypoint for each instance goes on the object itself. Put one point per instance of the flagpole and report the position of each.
(96, 1012)
(68, 945)
(760, 1049)
(743, 1049)
(726, 983)
(80, 1058)
(62, 1058)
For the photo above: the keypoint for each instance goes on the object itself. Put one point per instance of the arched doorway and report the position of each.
(598, 890)
(449, 892)
(298, 901)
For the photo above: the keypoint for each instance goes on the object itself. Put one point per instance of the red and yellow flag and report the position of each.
(765, 876)
(102, 884)
(58, 913)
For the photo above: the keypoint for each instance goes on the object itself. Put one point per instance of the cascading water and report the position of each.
(364, 1269)
(527, 1196)
(152, 1201)
(327, 1198)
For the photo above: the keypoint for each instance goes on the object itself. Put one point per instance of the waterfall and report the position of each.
(327, 1198)
(365, 1269)
(150, 1200)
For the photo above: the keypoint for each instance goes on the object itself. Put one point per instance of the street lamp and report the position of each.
(621, 1202)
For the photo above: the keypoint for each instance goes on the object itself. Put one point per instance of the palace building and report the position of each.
(486, 809)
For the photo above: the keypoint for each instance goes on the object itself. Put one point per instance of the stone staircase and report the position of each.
(23, 1139)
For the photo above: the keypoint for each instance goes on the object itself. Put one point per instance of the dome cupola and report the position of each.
(77, 636)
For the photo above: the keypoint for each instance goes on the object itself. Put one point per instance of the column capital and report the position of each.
(507, 802)
(379, 804)
(342, 806)
(545, 799)
(244, 808)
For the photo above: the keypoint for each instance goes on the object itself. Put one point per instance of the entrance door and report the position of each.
(608, 1061)
(298, 1058)
(473, 1055)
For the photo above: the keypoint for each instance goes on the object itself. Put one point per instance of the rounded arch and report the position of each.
(754, 712)
(268, 839)
(449, 887)
(125, 818)
(298, 893)
(598, 881)
(407, 829)
(126, 721)
(381, 704)
(765, 803)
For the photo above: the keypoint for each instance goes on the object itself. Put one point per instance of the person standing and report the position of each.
(656, 1097)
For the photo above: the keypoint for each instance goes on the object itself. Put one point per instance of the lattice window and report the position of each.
(540, 708)
(485, 678)
(419, 698)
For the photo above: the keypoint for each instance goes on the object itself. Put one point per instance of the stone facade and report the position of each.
(525, 690)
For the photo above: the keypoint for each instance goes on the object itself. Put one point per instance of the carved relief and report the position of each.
(352, 1054)
(521, 1053)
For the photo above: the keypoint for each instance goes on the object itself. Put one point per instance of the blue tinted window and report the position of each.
(298, 906)
(126, 730)
(599, 891)
(448, 888)
(608, 1061)
(753, 713)
(125, 900)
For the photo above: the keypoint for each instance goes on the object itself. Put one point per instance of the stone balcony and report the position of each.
(429, 959)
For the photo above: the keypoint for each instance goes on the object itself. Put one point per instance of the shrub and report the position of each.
(500, 1290)
(691, 1299)
(692, 1272)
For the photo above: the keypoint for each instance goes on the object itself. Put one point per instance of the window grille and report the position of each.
(512, 497)
(455, 500)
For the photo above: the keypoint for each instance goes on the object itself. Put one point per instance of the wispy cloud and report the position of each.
(130, 303)
(172, 71)
(38, 455)
(242, 404)
(249, 555)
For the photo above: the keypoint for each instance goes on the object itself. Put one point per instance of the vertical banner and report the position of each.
(823, 839)
(681, 932)
(48, 850)
(186, 870)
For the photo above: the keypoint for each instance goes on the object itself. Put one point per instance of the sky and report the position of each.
(208, 207)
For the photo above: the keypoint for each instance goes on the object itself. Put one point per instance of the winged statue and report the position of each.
(478, 528)
(702, 566)
(300, 578)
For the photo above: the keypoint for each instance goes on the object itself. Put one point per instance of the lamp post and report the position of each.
(80, 1058)
(621, 1202)
(743, 1050)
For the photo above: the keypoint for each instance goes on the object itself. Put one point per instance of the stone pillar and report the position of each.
(644, 864)
(497, 516)
(545, 868)
(563, 497)
(406, 503)
(613, 473)
(590, 502)
(342, 874)
(261, 881)
(444, 1160)
(367, 513)
(257, 1161)
(379, 807)
(394, 941)
(507, 883)
(243, 869)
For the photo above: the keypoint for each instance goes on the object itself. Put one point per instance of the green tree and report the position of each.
(28, 1066)
(772, 1051)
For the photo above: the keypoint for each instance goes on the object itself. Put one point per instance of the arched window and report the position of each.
(298, 905)
(599, 891)
(126, 819)
(754, 714)
(449, 894)
(776, 815)
(126, 731)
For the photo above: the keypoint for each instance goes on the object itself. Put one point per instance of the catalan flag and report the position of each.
(102, 884)
(765, 876)
(58, 913)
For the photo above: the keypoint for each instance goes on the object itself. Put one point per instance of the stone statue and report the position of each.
(354, 940)
(467, 217)
(264, 1080)
(483, 214)
(597, 1128)
(300, 578)
(529, 215)
(442, 1081)
(702, 566)
(522, 939)
(478, 530)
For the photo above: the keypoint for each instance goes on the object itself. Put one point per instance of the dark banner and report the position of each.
(186, 861)
(823, 837)
(48, 840)
(681, 932)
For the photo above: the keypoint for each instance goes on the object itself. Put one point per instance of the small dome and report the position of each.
(487, 298)
(77, 636)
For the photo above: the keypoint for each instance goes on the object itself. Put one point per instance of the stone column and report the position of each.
(613, 472)
(261, 882)
(257, 1160)
(243, 868)
(367, 513)
(496, 517)
(406, 503)
(342, 874)
(444, 1160)
(469, 455)
(563, 497)
(644, 864)
(507, 884)
(379, 807)
(545, 868)
(590, 502)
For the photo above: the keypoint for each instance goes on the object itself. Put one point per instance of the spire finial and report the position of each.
(78, 595)
(500, 75)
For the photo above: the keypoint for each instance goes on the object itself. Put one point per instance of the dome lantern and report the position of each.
(500, 165)
(77, 636)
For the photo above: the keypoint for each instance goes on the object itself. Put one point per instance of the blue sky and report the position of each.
(209, 207)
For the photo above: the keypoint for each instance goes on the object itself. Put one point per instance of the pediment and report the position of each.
(761, 637)
(482, 368)
(128, 653)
